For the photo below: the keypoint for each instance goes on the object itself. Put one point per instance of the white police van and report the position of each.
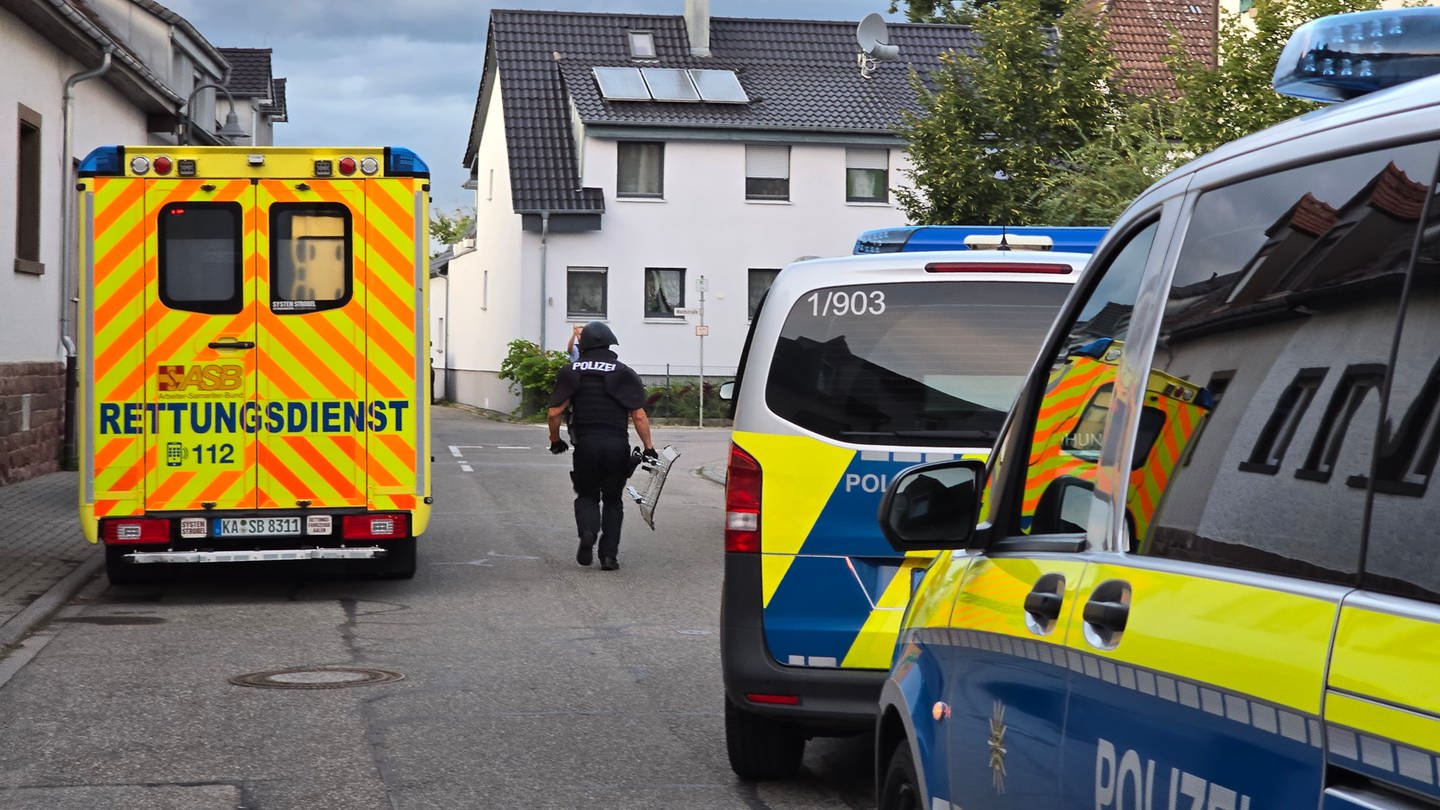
(854, 369)
(1254, 622)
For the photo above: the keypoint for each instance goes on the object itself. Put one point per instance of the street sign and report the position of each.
(686, 310)
(702, 330)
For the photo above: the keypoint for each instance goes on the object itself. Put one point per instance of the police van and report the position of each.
(253, 376)
(854, 370)
(1243, 611)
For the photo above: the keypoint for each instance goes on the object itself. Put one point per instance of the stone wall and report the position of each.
(31, 432)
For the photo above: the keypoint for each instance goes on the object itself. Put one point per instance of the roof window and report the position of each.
(642, 45)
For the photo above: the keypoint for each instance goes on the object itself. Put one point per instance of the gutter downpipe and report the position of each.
(544, 271)
(69, 236)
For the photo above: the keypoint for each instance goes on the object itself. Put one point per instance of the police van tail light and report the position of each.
(375, 527)
(742, 502)
(135, 530)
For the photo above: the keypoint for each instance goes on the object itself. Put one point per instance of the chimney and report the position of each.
(697, 25)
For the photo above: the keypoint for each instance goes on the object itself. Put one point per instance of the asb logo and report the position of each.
(202, 377)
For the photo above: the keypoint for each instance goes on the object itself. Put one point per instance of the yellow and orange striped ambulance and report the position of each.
(253, 341)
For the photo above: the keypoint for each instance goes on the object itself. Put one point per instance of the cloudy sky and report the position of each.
(382, 73)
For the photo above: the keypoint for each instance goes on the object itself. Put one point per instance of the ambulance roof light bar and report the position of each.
(1345, 56)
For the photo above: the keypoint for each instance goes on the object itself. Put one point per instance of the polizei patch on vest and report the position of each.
(593, 365)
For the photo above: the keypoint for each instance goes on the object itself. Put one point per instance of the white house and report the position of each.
(657, 171)
(78, 74)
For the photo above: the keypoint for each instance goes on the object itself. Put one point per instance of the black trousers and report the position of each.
(601, 467)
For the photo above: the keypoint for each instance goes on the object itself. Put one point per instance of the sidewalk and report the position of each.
(43, 558)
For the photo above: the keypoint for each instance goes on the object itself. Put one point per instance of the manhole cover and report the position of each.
(316, 678)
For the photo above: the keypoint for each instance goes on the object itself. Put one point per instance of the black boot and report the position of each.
(586, 552)
(609, 564)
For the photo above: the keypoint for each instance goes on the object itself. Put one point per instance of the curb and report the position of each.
(38, 612)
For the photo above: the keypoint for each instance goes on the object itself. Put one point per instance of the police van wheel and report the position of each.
(900, 789)
(760, 747)
(121, 572)
(400, 562)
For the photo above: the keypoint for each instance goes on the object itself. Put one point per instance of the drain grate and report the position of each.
(316, 678)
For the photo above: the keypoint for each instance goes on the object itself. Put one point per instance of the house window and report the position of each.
(642, 45)
(1355, 386)
(664, 291)
(760, 281)
(585, 293)
(27, 195)
(767, 172)
(866, 172)
(642, 169)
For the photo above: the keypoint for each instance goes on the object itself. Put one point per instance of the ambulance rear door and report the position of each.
(199, 344)
(310, 307)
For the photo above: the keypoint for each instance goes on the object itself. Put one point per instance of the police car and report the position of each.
(855, 368)
(1205, 571)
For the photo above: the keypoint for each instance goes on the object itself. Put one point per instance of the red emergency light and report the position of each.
(998, 267)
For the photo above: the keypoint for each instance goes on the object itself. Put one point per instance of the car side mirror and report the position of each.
(933, 506)
(727, 390)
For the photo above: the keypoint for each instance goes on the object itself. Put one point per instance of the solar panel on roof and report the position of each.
(621, 84)
(669, 84)
(721, 86)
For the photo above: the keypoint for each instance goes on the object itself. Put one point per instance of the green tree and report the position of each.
(991, 131)
(531, 373)
(959, 12)
(1094, 182)
(1224, 101)
(449, 229)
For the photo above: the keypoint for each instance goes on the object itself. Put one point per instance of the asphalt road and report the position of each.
(528, 681)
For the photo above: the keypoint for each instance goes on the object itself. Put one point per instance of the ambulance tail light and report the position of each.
(742, 502)
(375, 527)
(998, 267)
(135, 530)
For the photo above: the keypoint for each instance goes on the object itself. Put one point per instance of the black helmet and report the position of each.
(597, 335)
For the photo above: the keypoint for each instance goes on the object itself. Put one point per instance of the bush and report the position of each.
(531, 372)
(681, 400)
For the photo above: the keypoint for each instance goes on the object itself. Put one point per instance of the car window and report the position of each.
(1402, 544)
(914, 363)
(1060, 480)
(1286, 288)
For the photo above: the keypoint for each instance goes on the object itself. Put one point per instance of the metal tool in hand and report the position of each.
(658, 466)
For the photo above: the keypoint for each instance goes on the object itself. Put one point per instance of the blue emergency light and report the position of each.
(1345, 56)
(104, 161)
(401, 162)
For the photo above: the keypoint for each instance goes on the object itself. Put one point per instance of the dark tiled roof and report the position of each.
(276, 109)
(800, 75)
(249, 71)
(1139, 31)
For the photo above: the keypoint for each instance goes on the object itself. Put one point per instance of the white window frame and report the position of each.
(574, 273)
(861, 163)
(647, 181)
(767, 163)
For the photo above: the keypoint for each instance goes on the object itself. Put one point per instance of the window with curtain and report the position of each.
(767, 172)
(585, 293)
(664, 291)
(641, 169)
(867, 175)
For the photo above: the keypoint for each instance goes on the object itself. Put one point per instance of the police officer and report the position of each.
(602, 394)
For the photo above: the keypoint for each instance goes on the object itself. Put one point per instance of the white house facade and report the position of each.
(79, 74)
(600, 195)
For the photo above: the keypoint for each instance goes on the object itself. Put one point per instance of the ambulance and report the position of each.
(253, 375)
(1241, 611)
(852, 372)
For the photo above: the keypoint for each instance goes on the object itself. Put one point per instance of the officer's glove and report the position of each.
(558, 446)
(651, 455)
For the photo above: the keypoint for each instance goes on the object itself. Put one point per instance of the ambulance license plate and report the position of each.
(249, 527)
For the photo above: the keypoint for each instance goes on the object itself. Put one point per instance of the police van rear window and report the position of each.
(920, 363)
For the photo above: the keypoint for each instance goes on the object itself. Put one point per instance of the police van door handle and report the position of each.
(1110, 616)
(232, 344)
(1043, 605)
